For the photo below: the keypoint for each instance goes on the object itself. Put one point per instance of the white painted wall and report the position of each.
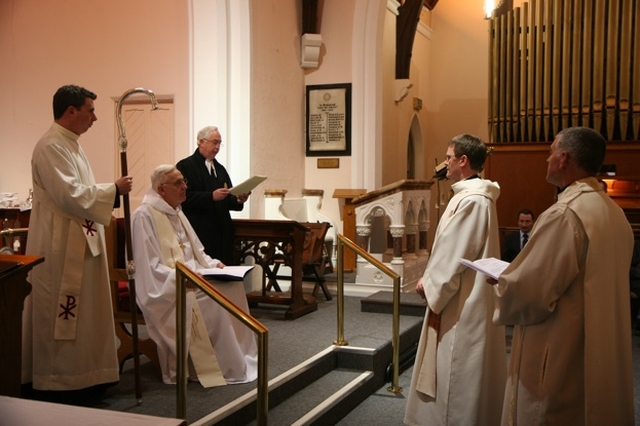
(107, 47)
(112, 46)
(277, 87)
(220, 81)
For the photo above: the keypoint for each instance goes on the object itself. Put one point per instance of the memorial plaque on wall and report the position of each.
(329, 120)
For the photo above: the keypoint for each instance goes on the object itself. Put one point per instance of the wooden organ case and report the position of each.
(555, 64)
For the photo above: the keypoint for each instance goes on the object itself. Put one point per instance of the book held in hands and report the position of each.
(490, 266)
(248, 185)
(228, 273)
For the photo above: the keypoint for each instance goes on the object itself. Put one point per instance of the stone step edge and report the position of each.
(252, 396)
(315, 414)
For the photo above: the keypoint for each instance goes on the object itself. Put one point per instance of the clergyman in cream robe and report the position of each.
(157, 225)
(470, 364)
(461, 362)
(69, 310)
(568, 295)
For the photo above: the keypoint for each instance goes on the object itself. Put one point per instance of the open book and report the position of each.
(248, 185)
(490, 266)
(228, 273)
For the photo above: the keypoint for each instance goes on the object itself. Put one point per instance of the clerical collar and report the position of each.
(473, 177)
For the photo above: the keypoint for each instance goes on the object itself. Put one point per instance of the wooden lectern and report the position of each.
(345, 197)
(268, 242)
(14, 288)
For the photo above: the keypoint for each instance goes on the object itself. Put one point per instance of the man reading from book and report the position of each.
(209, 200)
(221, 349)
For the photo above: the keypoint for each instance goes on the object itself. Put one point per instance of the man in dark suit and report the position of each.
(514, 242)
(208, 199)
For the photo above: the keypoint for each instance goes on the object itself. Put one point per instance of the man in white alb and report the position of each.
(461, 362)
(69, 340)
(221, 349)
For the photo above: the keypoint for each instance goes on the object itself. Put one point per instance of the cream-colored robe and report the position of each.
(468, 370)
(67, 228)
(567, 293)
(234, 344)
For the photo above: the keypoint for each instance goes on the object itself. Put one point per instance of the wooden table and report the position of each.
(14, 288)
(271, 242)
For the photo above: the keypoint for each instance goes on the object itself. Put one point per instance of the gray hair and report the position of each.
(586, 146)
(159, 175)
(205, 132)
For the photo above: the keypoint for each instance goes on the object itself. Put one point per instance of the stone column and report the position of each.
(397, 232)
(424, 234)
(412, 231)
(362, 238)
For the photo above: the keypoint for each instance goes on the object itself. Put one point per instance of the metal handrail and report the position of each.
(185, 275)
(395, 339)
(10, 232)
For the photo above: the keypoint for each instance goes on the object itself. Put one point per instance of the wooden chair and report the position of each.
(315, 260)
(115, 242)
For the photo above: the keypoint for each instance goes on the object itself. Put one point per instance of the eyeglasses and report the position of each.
(214, 142)
(177, 183)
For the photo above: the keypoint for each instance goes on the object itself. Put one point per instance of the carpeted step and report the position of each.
(316, 403)
(382, 302)
(319, 391)
(297, 357)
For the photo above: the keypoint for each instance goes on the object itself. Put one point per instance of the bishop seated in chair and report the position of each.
(221, 349)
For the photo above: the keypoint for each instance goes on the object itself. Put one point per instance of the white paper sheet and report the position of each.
(248, 185)
(490, 266)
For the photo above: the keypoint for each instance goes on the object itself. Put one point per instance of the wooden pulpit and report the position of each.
(345, 197)
(14, 288)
